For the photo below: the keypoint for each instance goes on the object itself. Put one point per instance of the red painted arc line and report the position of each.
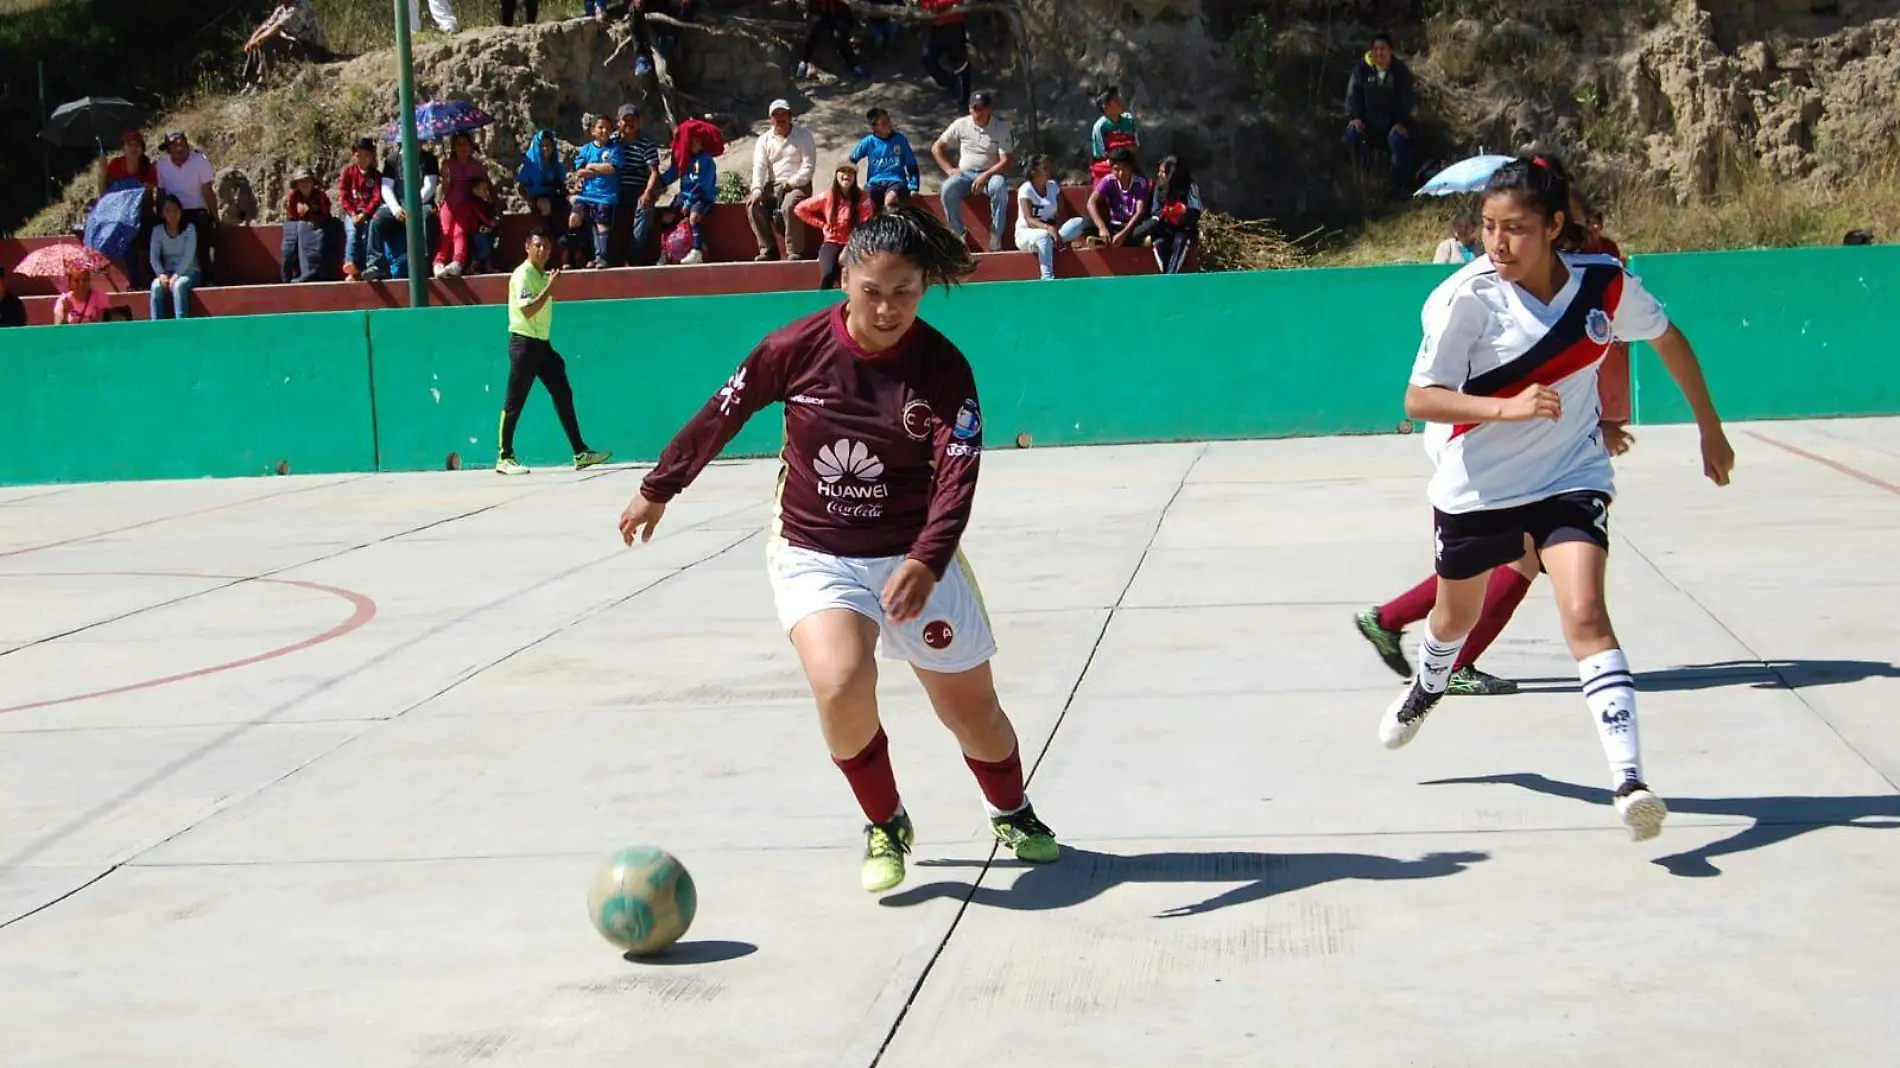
(1836, 465)
(365, 610)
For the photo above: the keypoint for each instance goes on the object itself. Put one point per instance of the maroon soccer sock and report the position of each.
(1502, 595)
(1411, 606)
(872, 779)
(1001, 782)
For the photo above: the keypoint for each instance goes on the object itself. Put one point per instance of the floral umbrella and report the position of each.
(57, 261)
(436, 119)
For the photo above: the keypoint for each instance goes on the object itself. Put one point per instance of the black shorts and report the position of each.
(1472, 543)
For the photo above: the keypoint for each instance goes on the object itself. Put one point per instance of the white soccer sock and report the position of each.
(1610, 691)
(1435, 658)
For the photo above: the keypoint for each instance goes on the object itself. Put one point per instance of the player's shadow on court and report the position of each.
(1083, 875)
(1772, 674)
(1777, 819)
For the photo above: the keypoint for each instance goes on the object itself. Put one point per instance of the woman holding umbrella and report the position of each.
(81, 302)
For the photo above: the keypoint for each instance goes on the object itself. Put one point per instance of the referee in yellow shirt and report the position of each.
(530, 356)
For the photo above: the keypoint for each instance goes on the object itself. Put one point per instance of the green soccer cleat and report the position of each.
(1470, 682)
(1384, 642)
(884, 847)
(585, 460)
(1031, 838)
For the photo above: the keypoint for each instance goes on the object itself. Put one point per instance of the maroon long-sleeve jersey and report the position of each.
(881, 450)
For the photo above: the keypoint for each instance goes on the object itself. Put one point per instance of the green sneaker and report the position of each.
(884, 847)
(1031, 838)
(585, 460)
(1384, 642)
(1470, 682)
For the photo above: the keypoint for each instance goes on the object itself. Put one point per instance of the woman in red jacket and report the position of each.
(882, 442)
(835, 213)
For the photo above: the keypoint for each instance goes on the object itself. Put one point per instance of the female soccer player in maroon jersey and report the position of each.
(883, 440)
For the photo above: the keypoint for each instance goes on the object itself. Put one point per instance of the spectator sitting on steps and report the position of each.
(12, 308)
(359, 189)
(387, 227)
(1379, 101)
(542, 180)
(1039, 224)
(783, 160)
(983, 159)
(306, 215)
(639, 188)
(189, 176)
(891, 177)
(174, 262)
(1174, 225)
(1119, 201)
(699, 184)
(1115, 129)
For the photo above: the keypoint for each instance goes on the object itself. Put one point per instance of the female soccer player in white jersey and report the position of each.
(1506, 376)
(883, 441)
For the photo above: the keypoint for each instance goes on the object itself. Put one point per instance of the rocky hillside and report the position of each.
(1686, 97)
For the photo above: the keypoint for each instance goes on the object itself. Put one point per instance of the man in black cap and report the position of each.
(639, 188)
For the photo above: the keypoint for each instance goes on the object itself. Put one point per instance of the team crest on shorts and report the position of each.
(917, 420)
(938, 634)
(1597, 325)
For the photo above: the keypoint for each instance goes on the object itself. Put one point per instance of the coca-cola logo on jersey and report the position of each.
(848, 479)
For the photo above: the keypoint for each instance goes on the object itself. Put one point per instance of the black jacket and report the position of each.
(12, 311)
(1380, 98)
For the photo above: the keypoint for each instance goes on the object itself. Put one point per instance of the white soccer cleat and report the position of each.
(692, 257)
(508, 465)
(1642, 811)
(1406, 715)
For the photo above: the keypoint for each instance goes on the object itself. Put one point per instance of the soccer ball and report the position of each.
(642, 900)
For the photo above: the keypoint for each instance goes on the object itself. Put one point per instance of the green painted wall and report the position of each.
(1117, 359)
(187, 399)
(1783, 334)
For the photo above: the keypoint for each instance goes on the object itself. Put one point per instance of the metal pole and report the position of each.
(411, 165)
(46, 147)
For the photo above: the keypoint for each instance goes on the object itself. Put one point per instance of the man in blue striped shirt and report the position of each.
(639, 188)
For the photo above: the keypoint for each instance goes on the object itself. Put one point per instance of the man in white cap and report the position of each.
(782, 164)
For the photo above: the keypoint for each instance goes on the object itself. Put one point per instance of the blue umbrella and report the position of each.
(1465, 176)
(114, 221)
(436, 119)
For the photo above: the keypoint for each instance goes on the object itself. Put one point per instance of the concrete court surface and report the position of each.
(315, 771)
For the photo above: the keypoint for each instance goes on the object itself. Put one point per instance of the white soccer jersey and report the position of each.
(1488, 337)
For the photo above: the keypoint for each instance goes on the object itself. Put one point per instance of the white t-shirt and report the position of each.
(1486, 336)
(1044, 205)
(978, 147)
(187, 182)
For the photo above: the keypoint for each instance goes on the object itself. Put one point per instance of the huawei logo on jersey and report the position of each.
(848, 474)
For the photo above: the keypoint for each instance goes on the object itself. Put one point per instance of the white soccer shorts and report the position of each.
(950, 636)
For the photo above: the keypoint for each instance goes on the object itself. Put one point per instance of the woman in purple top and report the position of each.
(1120, 200)
(882, 443)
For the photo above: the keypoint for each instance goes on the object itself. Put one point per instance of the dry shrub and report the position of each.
(1230, 244)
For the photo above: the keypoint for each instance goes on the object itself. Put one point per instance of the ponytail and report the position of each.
(1541, 182)
(917, 236)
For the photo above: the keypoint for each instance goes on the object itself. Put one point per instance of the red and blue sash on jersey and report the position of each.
(1567, 347)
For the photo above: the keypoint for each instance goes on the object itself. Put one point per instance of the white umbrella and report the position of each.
(1465, 176)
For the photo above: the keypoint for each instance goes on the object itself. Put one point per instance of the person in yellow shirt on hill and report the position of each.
(531, 356)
